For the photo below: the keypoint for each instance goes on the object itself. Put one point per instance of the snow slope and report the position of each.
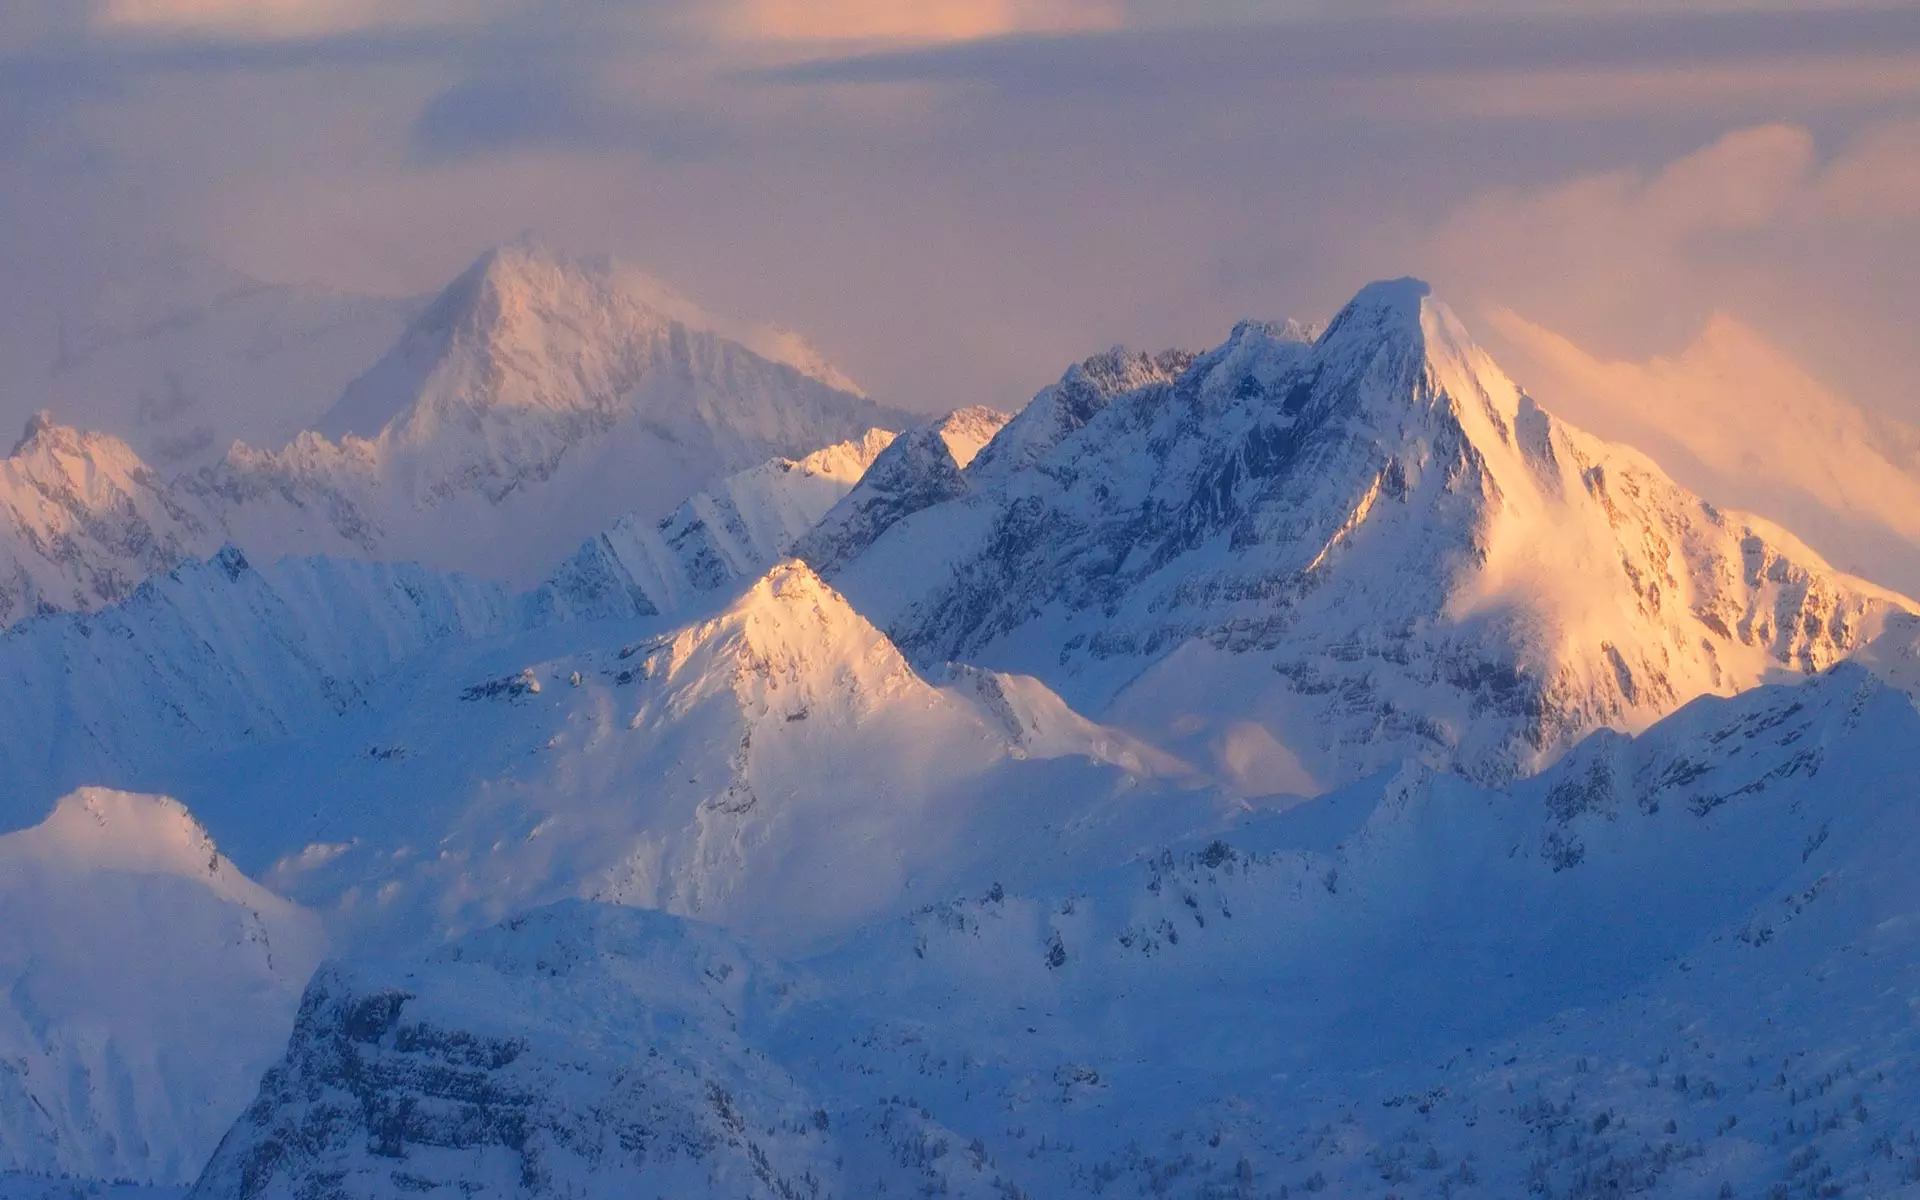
(1732, 416)
(212, 656)
(1309, 558)
(511, 417)
(147, 983)
(413, 756)
(1411, 986)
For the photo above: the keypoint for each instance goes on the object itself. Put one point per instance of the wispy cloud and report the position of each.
(277, 19)
(911, 20)
(1400, 44)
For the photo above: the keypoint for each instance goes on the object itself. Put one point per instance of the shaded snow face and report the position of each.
(1413, 980)
(146, 983)
(578, 1050)
(214, 657)
(722, 537)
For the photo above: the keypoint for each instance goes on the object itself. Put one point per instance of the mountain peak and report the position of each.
(123, 831)
(1384, 316)
(46, 434)
(1381, 508)
(38, 425)
(923, 467)
(789, 602)
(85, 522)
(495, 336)
(787, 645)
(1383, 301)
(137, 954)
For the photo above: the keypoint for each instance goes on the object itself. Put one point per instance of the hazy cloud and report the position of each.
(504, 110)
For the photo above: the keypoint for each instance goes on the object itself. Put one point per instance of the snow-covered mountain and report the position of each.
(921, 468)
(725, 535)
(1411, 986)
(1310, 558)
(774, 765)
(83, 521)
(1063, 409)
(535, 401)
(146, 983)
(918, 714)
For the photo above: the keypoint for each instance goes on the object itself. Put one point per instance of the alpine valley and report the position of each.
(605, 754)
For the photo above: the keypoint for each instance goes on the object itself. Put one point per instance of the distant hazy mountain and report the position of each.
(536, 400)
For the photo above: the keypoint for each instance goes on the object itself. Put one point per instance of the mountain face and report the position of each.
(1370, 545)
(83, 521)
(1098, 1036)
(829, 710)
(510, 416)
(920, 469)
(733, 533)
(146, 983)
(211, 657)
(1065, 408)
